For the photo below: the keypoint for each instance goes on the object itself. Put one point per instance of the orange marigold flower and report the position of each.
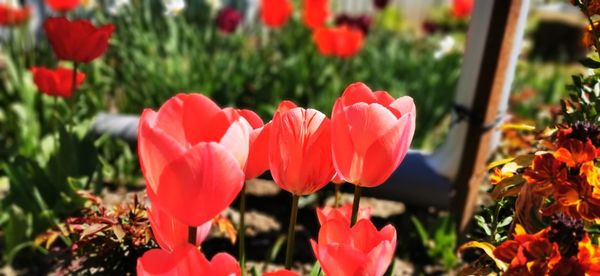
(574, 152)
(545, 171)
(577, 199)
(528, 254)
(497, 175)
(589, 256)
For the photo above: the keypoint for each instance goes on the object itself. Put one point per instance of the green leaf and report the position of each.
(316, 270)
(590, 63)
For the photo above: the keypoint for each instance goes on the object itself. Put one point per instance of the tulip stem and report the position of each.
(192, 235)
(355, 204)
(73, 90)
(291, 232)
(338, 195)
(242, 230)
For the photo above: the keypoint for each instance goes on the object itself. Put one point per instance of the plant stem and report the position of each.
(73, 90)
(291, 232)
(192, 235)
(242, 230)
(355, 205)
(338, 195)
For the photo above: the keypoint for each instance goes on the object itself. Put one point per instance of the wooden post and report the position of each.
(493, 79)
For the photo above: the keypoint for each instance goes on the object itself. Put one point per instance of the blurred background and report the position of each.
(222, 49)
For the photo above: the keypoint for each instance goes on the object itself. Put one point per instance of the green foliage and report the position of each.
(439, 241)
(495, 221)
(41, 193)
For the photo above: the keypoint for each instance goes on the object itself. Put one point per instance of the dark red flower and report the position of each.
(77, 40)
(56, 82)
(361, 22)
(62, 5)
(13, 16)
(228, 19)
(274, 13)
(339, 41)
(381, 4)
(315, 13)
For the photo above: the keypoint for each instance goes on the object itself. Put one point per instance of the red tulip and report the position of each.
(341, 41)
(192, 154)
(300, 150)
(315, 13)
(462, 8)
(282, 272)
(372, 133)
(62, 5)
(360, 250)
(186, 260)
(56, 82)
(343, 213)
(13, 16)
(77, 40)
(170, 233)
(274, 13)
(258, 154)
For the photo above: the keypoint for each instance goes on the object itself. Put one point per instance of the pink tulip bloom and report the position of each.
(371, 134)
(170, 233)
(192, 154)
(360, 250)
(343, 213)
(186, 260)
(300, 149)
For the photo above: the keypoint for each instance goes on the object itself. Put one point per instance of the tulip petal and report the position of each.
(236, 140)
(200, 184)
(258, 154)
(386, 153)
(203, 120)
(185, 260)
(224, 264)
(170, 233)
(253, 119)
(155, 148)
(358, 92)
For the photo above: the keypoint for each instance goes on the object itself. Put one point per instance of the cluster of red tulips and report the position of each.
(343, 40)
(77, 41)
(195, 157)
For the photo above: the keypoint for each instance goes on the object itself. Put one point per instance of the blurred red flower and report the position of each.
(77, 40)
(462, 8)
(62, 6)
(228, 19)
(13, 16)
(56, 82)
(275, 13)
(340, 41)
(315, 13)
